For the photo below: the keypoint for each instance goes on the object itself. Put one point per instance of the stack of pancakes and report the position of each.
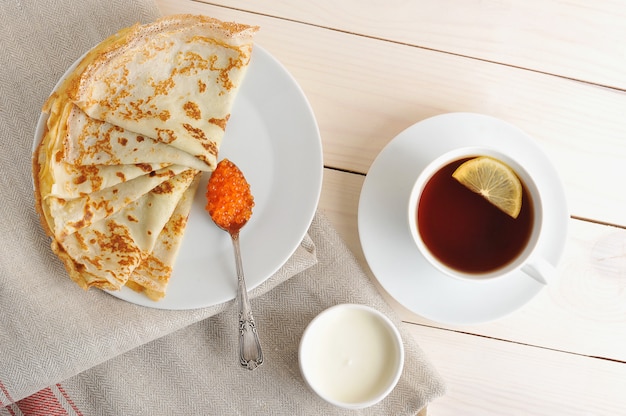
(129, 131)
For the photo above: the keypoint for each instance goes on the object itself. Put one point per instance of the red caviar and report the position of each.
(229, 200)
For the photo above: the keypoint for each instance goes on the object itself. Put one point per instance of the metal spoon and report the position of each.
(250, 353)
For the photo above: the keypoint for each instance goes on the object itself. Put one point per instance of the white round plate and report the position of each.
(387, 242)
(272, 136)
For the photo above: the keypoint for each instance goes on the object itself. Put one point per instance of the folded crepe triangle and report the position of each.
(72, 215)
(75, 181)
(94, 142)
(173, 80)
(154, 272)
(107, 252)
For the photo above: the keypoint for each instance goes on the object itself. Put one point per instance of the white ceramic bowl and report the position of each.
(351, 356)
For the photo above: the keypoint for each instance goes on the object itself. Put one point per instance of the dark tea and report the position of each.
(465, 231)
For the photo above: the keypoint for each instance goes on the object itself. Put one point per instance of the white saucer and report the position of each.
(386, 240)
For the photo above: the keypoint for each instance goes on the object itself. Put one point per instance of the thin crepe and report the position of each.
(153, 274)
(94, 142)
(174, 81)
(71, 215)
(106, 253)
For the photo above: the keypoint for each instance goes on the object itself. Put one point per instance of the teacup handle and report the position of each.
(541, 270)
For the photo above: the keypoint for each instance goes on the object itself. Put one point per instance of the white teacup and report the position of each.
(525, 258)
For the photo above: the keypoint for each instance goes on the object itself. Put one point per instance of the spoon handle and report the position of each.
(250, 353)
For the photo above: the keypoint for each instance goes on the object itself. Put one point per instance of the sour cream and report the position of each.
(351, 355)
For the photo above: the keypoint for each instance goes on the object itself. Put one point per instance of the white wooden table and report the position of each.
(556, 69)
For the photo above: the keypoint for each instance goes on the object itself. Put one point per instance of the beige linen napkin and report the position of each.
(50, 329)
(195, 371)
(76, 352)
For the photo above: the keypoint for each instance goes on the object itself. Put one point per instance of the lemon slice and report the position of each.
(494, 180)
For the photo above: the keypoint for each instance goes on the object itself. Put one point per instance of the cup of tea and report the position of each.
(464, 233)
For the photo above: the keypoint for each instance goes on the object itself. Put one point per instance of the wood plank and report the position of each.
(564, 37)
(585, 313)
(361, 105)
(491, 377)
